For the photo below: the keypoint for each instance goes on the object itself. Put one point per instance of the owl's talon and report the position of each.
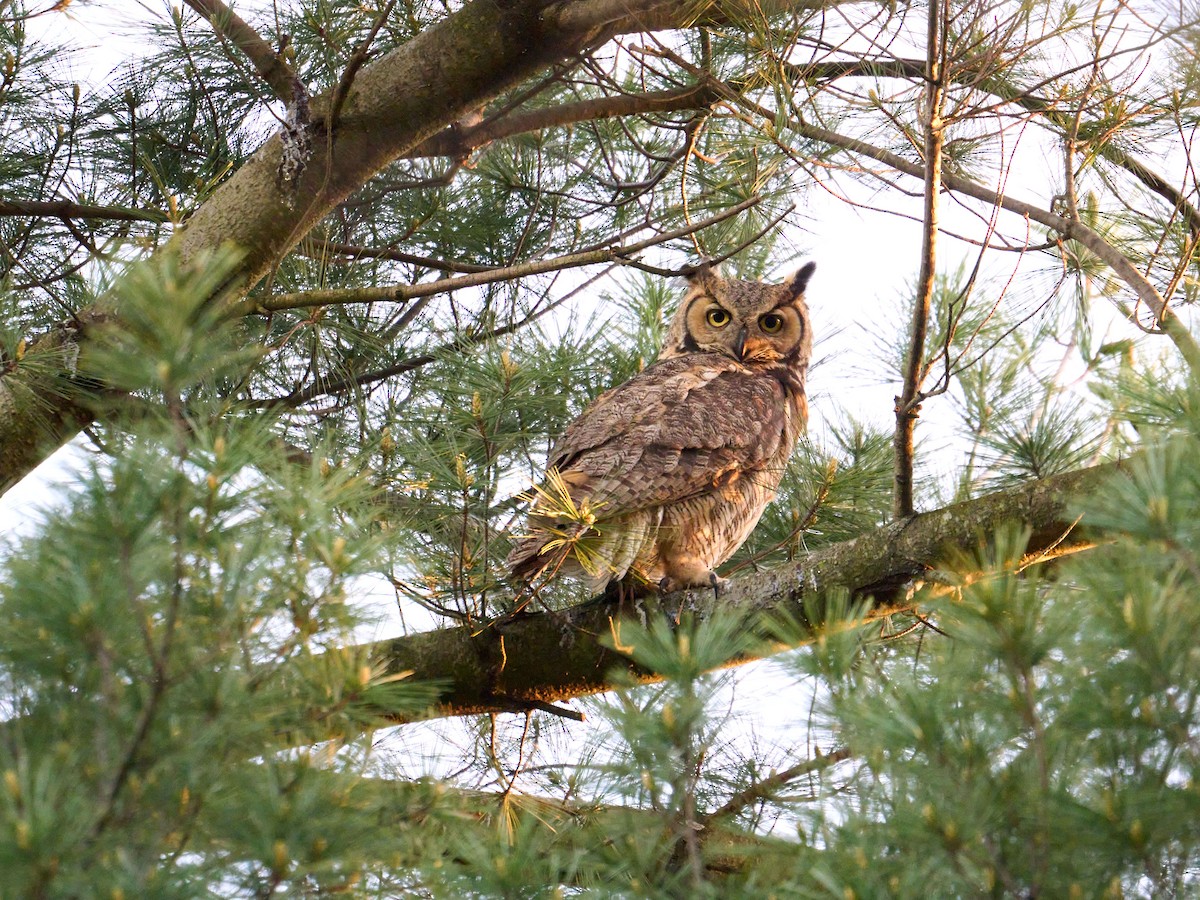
(717, 583)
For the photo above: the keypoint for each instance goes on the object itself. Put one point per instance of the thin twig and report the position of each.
(404, 292)
(908, 404)
(357, 60)
(773, 784)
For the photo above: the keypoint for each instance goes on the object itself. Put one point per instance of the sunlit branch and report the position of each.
(908, 404)
(526, 658)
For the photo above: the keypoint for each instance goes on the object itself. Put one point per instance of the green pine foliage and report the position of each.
(190, 705)
(1044, 744)
(173, 627)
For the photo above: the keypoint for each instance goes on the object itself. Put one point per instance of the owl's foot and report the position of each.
(717, 583)
(668, 585)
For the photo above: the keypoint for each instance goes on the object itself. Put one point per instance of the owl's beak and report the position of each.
(739, 344)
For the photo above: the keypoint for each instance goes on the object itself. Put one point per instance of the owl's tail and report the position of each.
(530, 557)
(561, 536)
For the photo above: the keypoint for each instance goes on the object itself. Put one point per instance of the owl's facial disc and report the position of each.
(772, 335)
(710, 326)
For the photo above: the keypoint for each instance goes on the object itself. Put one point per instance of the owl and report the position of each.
(661, 479)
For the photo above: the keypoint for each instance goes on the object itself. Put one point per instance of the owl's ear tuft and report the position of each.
(706, 271)
(799, 281)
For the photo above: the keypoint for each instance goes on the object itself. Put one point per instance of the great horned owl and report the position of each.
(661, 479)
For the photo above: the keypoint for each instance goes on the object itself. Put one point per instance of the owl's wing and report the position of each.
(682, 427)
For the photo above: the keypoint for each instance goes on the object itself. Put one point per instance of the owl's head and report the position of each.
(752, 322)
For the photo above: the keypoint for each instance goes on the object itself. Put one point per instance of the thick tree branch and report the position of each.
(453, 67)
(41, 398)
(551, 657)
(447, 70)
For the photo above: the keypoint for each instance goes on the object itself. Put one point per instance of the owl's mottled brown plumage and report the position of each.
(661, 479)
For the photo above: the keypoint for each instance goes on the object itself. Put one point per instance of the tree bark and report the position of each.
(531, 661)
(44, 406)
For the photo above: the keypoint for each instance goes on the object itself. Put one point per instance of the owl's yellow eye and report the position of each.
(770, 323)
(717, 317)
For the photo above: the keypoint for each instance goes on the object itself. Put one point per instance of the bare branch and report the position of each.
(1146, 292)
(773, 784)
(357, 59)
(459, 142)
(319, 249)
(65, 209)
(908, 404)
(323, 388)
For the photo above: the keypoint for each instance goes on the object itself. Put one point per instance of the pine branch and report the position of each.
(340, 385)
(554, 656)
(402, 293)
(435, 807)
(776, 783)
(395, 104)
